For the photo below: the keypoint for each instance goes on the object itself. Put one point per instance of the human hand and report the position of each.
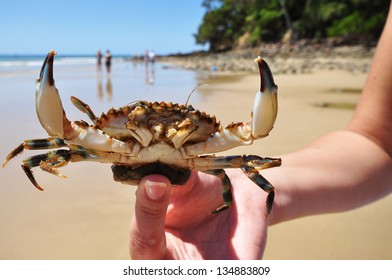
(176, 222)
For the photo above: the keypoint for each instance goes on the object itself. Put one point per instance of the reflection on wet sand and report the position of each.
(149, 76)
(108, 87)
(99, 87)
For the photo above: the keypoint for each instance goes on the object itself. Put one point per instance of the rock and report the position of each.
(301, 57)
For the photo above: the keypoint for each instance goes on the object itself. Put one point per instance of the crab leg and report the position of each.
(47, 162)
(259, 180)
(84, 108)
(35, 144)
(52, 116)
(248, 164)
(211, 162)
(264, 113)
(265, 108)
(226, 189)
(48, 104)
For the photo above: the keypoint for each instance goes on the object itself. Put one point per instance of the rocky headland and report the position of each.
(301, 57)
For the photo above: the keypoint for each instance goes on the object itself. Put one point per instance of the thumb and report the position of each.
(147, 234)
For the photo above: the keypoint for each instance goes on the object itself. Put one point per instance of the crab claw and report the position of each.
(48, 103)
(265, 106)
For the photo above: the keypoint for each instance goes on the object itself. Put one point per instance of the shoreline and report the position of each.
(299, 58)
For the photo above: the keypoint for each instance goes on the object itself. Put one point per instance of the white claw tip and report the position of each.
(265, 106)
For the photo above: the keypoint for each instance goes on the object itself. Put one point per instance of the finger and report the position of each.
(193, 203)
(147, 234)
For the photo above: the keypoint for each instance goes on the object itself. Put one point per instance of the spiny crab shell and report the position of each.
(144, 138)
(166, 122)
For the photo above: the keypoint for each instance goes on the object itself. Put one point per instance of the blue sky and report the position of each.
(82, 27)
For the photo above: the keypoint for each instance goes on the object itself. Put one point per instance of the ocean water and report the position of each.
(13, 63)
(77, 75)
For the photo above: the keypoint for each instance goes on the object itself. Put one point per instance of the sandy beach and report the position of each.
(87, 215)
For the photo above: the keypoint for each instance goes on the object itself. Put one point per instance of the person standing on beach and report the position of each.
(151, 57)
(99, 60)
(108, 61)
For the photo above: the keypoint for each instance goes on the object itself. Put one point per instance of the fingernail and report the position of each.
(155, 190)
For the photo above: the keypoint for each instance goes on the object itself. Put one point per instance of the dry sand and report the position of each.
(364, 233)
(87, 216)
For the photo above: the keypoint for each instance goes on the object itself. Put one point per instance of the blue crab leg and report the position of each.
(35, 144)
(226, 189)
(84, 108)
(47, 162)
(259, 180)
(53, 119)
(248, 164)
(236, 134)
(237, 161)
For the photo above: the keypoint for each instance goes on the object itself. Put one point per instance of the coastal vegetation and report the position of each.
(229, 24)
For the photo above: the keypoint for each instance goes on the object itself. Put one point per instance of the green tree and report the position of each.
(265, 23)
(222, 24)
(365, 21)
(226, 21)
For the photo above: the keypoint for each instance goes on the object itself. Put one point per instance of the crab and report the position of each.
(144, 137)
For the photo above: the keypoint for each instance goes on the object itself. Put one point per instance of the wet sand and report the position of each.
(87, 215)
